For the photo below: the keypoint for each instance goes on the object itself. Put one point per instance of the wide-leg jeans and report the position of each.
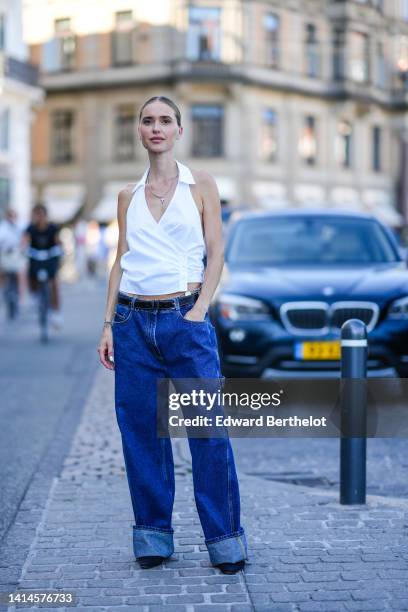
(161, 343)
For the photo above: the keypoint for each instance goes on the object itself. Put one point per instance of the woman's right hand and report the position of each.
(105, 348)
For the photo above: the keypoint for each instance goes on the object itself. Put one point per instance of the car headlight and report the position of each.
(240, 307)
(399, 309)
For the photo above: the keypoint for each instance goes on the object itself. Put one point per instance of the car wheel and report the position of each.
(402, 372)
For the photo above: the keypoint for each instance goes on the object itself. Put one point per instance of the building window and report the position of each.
(308, 141)
(62, 136)
(66, 42)
(376, 148)
(68, 46)
(338, 54)
(4, 129)
(125, 132)
(359, 57)
(271, 26)
(312, 51)
(204, 33)
(344, 144)
(122, 39)
(62, 26)
(402, 59)
(207, 122)
(4, 192)
(381, 76)
(269, 136)
(2, 31)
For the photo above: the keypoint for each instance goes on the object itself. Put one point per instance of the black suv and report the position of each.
(290, 281)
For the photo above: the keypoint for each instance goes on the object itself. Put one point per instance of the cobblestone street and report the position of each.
(307, 553)
(211, 197)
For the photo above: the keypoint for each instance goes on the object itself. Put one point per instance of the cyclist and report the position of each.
(12, 260)
(45, 250)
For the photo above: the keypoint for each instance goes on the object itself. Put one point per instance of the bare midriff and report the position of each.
(163, 296)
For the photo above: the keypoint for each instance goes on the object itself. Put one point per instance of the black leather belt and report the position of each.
(139, 304)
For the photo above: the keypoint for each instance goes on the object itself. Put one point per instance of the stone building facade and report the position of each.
(19, 97)
(293, 103)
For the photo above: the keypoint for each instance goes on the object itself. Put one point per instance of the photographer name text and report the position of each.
(259, 421)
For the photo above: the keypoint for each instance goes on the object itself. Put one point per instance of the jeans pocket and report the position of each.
(184, 309)
(122, 314)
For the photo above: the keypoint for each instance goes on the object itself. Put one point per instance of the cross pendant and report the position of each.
(162, 201)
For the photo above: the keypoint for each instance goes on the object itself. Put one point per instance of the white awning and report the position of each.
(226, 187)
(270, 195)
(372, 202)
(63, 200)
(346, 197)
(106, 209)
(308, 195)
(378, 203)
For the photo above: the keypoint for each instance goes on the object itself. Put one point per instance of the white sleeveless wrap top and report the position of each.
(163, 256)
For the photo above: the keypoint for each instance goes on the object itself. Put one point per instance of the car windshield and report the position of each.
(309, 241)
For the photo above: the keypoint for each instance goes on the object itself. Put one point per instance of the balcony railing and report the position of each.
(20, 71)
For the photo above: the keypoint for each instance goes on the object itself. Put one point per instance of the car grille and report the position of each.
(341, 315)
(307, 319)
(318, 318)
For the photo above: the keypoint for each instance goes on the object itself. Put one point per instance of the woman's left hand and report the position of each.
(195, 314)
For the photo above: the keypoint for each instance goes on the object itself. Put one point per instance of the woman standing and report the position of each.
(157, 326)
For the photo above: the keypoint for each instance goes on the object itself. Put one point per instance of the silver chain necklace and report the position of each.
(160, 197)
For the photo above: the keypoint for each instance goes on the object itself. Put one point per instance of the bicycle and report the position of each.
(46, 262)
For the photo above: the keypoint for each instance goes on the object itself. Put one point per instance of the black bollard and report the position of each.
(353, 443)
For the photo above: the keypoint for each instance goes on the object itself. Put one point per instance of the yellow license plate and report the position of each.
(329, 349)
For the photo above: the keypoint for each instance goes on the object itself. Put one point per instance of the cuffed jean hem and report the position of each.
(228, 549)
(152, 541)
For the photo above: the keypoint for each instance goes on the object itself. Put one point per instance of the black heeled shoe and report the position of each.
(149, 562)
(231, 568)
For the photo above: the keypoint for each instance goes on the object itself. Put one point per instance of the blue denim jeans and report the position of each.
(152, 344)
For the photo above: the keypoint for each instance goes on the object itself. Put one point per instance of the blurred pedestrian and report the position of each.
(80, 231)
(92, 242)
(42, 238)
(102, 250)
(111, 239)
(157, 326)
(12, 261)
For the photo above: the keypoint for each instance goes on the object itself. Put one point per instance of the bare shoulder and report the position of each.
(125, 197)
(126, 192)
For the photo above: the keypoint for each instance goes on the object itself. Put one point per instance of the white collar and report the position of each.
(185, 176)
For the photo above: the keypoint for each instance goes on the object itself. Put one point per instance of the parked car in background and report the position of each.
(290, 281)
